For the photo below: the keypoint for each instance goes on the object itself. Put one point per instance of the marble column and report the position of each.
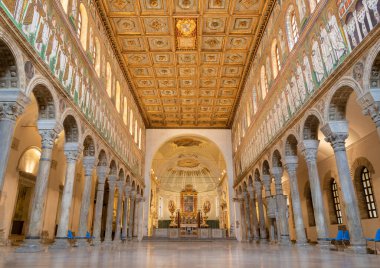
(102, 172)
(310, 150)
(238, 229)
(126, 212)
(49, 132)
(247, 215)
(336, 133)
(281, 206)
(120, 186)
(111, 195)
(12, 103)
(370, 102)
(267, 181)
(72, 152)
(131, 214)
(256, 234)
(88, 166)
(263, 232)
(140, 223)
(291, 164)
(136, 215)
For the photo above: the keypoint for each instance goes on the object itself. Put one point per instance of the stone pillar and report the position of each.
(370, 102)
(102, 172)
(72, 151)
(291, 163)
(124, 232)
(111, 195)
(12, 103)
(247, 215)
(281, 206)
(256, 235)
(49, 132)
(88, 166)
(238, 229)
(267, 180)
(310, 150)
(131, 214)
(120, 186)
(136, 216)
(336, 133)
(140, 223)
(263, 232)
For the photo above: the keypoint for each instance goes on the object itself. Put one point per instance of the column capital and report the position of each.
(112, 178)
(72, 151)
(309, 149)
(127, 190)
(291, 163)
(89, 164)
(102, 172)
(258, 187)
(250, 190)
(133, 194)
(370, 102)
(336, 133)
(12, 104)
(277, 172)
(267, 179)
(120, 185)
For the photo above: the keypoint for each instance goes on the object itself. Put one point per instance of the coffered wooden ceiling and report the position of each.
(186, 60)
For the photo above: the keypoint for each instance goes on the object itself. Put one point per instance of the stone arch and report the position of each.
(265, 168)
(372, 55)
(71, 129)
(240, 190)
(138, 188)
(276, 159)
(113, 167)
(142, 191)
(250, 179)
(291, 145)
(245, 185)
(47, 99)
(338, 96)
(133, 185)
(311, 127)
(121, 174)
(10, 53)
(128, 180)
(89, 146)
(257, 175)
(102, 158)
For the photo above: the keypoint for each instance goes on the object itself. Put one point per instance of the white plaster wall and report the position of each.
(157, 137)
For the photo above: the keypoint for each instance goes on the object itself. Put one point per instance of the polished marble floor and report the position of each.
(188, 254)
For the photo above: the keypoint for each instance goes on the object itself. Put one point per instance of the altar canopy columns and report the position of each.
(336, 133)
(258, 190)
(254, 226)
(291, 164)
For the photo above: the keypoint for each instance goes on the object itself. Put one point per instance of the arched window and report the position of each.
(117, 96)
(140, 136)
(264, 82)
(131, 122)
(136, 136)
(97, 56)
(365, 177)
(125, 111)
(292, 27)
(109, 80)
(82, 25)
(336, 215)
(275, 59)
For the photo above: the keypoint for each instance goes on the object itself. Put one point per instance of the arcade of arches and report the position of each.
(127, 122)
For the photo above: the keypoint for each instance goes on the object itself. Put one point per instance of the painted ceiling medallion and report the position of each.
(186, 33)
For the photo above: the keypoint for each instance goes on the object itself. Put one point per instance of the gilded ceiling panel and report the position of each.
(186, 59)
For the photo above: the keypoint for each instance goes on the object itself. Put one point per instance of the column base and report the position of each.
(30, 245)
(82, 243)
(357, 249)
(60, 243)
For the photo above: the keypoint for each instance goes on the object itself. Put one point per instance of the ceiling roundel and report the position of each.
(186, 59)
